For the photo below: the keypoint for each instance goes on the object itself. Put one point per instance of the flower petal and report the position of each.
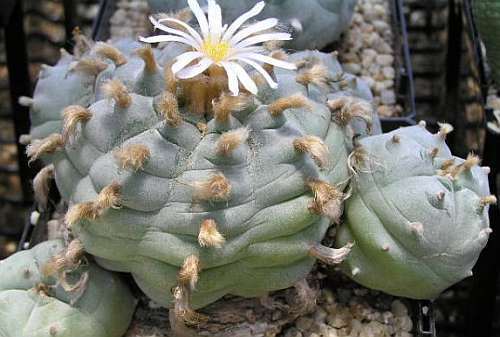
(267, 59)
(253, 49)
(195, 70)
(166, 38)
(158, 25)
(244, 78)
(190, 29)
(261, 71)
(214, 19)
(184, 59)
(242, 19)
(263, 38)
(200, 16)
(232, 79)
(254, 28)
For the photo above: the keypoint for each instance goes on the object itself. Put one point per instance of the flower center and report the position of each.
(217, 51)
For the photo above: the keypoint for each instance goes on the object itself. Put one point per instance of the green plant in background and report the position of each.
(418, 215)
(315, 23)
(49, 291)
(196, 186)
(487, 15)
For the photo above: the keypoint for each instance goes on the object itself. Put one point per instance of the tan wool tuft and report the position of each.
(296, 101)
(347, 108)
(327, 199)
(72, 116)
(79, 212)
(106, 50)
(488, 200)
(209, 236)
(217, 188)
(169, 109)
(41, 185)
(109, 197)
(89, 66)
(117, 91)
(225, 104)
(317, 74)
(189, 272)
(48, 145)
(231, 140)
(315, 147)
(444, 129)
(147, 55)
(132, 156)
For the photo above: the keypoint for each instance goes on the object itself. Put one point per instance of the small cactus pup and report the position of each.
(417, 214)
(52, 291)
(314, 24)
(222, 182)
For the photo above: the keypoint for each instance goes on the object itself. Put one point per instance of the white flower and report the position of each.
(224, 46)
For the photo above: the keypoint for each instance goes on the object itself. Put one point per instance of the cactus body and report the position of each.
(487, 15)
(181, 185)
(315, 25)
(33, 304)
(418, 215)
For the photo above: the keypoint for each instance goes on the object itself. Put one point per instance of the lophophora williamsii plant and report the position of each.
(314, 24)
(196, 175)
(52, 290)
(418, 215)
(209, 165)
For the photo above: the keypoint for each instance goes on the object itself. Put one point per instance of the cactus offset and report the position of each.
(418, 215)
(47, 291)
(248, 186)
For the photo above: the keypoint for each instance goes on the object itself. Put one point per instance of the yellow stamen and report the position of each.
(217, 51)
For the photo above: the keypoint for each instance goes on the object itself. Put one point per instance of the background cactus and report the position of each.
(418, 215)
(196, 191)
(314, 26)
(487, 15)
(46, 291)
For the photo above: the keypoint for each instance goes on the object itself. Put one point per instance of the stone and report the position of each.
(389, 72)
(304, 323)
(388, 97)
(384, 59)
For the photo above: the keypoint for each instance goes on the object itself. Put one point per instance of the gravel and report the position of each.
(367, 51)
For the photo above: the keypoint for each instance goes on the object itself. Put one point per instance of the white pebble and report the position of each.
(389, 72)
(399, 309)
(304, 323)
(388, 97)
(34, 217)
(385, 59)
(352, 68)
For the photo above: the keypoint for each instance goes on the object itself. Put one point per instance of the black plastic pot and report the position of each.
(6, 12)
(483, 298)
(404, 80)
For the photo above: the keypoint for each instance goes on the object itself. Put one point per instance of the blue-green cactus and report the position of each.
(418, 215)
(190, 188)
(47, 292)
(315, 24)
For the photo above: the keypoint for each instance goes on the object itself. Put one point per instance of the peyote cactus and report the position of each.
(418, 215)
(46, 291)
(314, 25)
(197, 190)
(487, 15)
